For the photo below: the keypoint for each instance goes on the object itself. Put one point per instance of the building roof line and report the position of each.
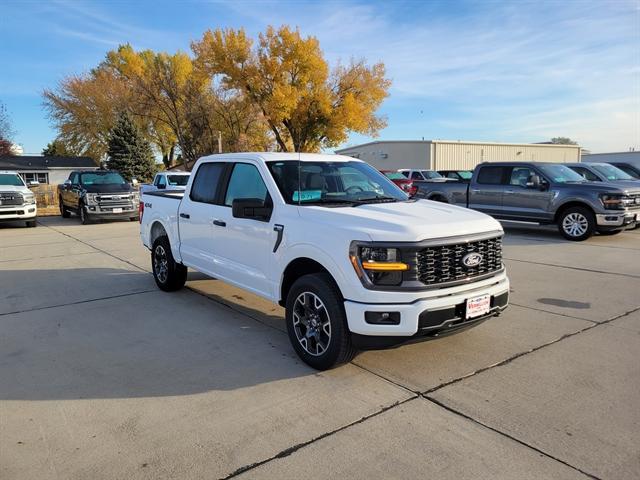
(457, 142)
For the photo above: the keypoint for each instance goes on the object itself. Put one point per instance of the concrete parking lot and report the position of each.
(104, 376)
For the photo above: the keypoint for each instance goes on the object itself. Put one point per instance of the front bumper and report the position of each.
(427, 315)
(617, 219)
(13, 213)
(105, 213)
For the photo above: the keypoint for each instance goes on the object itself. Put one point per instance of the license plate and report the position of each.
(478, 306)
(117, 210)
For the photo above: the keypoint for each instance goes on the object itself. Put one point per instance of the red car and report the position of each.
(406, 184)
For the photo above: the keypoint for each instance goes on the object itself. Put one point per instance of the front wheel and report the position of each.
(317, 323)
(168, 274)
(31, 223)
(577, 223)
(84, 216)
(63, 210)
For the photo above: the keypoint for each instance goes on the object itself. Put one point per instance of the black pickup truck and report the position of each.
(543, 193)
(98, 194)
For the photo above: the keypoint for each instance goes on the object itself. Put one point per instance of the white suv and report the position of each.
(17, 202)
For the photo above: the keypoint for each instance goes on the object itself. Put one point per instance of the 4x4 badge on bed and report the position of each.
(472, 259)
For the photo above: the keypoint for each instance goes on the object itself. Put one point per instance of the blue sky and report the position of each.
(518, 71)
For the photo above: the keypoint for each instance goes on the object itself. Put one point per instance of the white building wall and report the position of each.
(452, 155)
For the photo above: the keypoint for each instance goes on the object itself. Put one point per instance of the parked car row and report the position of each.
(544, 193)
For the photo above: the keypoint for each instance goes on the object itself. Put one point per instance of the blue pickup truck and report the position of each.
(543, 193)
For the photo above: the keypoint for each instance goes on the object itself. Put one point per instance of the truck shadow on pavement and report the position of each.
(133, 344)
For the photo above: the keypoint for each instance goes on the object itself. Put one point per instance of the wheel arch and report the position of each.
(297, 268)
(574, 203)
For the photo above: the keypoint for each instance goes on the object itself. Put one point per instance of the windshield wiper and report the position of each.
(376, 199)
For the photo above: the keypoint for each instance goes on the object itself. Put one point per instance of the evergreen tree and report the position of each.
(129, 153)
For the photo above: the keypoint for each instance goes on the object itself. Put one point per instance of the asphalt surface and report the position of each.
(104, 376)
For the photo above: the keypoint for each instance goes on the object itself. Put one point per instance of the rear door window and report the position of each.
(492, 175)
(587, 174)
(206, 183)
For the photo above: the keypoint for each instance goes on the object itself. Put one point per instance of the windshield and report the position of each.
(612, 173)
(431, 174)
(561, 174)
(101, 178)
(178, 180)
(395, 175)
(11, 179)
(333, 182)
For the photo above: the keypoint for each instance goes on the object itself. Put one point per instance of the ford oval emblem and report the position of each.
(472, 259)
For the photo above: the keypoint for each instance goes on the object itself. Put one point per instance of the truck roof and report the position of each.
(283, 156)
(4, 172)
(509, 164)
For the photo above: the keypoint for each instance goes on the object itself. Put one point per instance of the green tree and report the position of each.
(563, 141)
(58, 148)
(129, 152)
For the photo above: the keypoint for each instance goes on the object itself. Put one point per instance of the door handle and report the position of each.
(508, 191)
(220, 223)
(474, 190)
(185, 215)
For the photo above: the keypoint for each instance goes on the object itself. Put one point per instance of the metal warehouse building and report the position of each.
(455, 155)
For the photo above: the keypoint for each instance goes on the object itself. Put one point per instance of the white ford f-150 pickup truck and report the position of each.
(354, 261)
(17, 202)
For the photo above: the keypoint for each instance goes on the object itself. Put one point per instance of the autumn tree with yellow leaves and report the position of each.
(279, 94)
(306, 106)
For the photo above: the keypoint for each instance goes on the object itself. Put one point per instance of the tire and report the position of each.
(63, 210)
(31, 223)
(316, 298)
(577, 224)
(133, 219)
(174, 275)
(609, 232)
(85, 218)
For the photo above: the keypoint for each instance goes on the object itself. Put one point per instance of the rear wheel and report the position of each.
(63, 210)
(577, 223)
(317, 323)
(168, 274)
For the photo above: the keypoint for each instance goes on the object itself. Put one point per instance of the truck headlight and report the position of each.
(616, 202)
(29, 199)
(380, 265)
(91, 198)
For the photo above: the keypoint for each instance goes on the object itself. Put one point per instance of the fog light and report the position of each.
(382, 318)
(92, 209)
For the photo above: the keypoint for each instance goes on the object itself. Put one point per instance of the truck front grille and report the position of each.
(109, 202)
(444, 264)
(11, 198)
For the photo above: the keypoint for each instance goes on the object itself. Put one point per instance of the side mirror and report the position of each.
(534, 182)
(34, 183)
(134, 181)
(252, 208)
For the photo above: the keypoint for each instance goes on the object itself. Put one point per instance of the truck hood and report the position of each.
(627, 187)
(108, 188)
(13, 188)
(401, 221)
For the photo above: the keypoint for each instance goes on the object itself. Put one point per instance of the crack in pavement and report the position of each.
(510, 437)
(542, 310)
(288, 451)
(79, 302)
